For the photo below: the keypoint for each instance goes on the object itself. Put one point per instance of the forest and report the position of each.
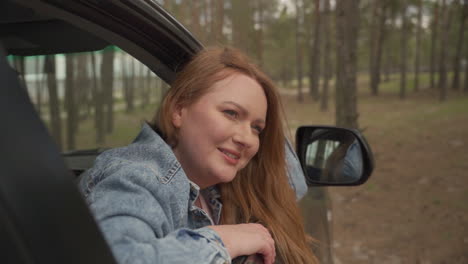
(318, 46)
(320, 49)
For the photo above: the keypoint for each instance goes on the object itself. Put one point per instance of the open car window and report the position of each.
(90, 100)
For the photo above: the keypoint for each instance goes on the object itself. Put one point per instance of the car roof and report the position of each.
(140, 27)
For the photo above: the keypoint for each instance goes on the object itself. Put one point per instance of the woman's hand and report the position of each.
(247, 239)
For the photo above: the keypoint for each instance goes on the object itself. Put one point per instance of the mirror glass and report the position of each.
(333, 156)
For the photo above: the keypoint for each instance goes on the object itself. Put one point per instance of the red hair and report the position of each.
(259, 193)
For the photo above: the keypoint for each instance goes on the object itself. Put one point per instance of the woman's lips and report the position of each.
(232, 157)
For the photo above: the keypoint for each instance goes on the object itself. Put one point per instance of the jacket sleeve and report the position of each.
(138, 220)
(295, 173)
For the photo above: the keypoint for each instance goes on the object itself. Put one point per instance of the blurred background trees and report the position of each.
(322, 44)
(323, 50)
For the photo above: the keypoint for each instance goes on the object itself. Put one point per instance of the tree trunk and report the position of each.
(372, 47)
(403, 50)
(98, 102)
(314, 65)
(241, 17)
(129, 76)
(380, 40)
(457, 59)
(387, 64)
(260, 10)
(82, 81)
(148, 84)
(376, 56)
(347, 25)
(54, 106)
(327, 71)
(300, 97)
(445, 28)
(107, 82)
(141, 80)
(465, 86)
(218, 20)
(195, 23)
(418, 47)
(434, 38)
(39, 82)
(389, 50)
(70, 102)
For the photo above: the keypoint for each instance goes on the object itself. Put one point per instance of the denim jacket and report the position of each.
(144, 205)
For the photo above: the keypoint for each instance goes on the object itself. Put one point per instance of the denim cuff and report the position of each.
(212, 236)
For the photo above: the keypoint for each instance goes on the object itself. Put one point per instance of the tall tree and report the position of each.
(242, 24)
(391, 42)
(195, 23)
(107, 82)
(299, 22)
(260, 6)
(378, 32)
(347, 28)
(314, 53)
(434, 38)
(372, 46)
(128, 72)
(445, 28)
(327, 67)
(70, 101)
(217, 21)
(458, 55)
(403, 48)
(39, 81)
(54, 106)
(98, 102)
(418, 47)
(82, 80)
(465, 86)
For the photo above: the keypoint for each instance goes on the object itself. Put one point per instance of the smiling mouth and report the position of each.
(229, 156)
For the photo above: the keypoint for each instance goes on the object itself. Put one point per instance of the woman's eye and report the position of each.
(258, 129)
(231, 113)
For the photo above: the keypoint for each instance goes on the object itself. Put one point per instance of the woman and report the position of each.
(345, 162)
(206, 181)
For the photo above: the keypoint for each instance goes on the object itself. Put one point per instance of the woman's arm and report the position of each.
(139, 219)
(295, 173)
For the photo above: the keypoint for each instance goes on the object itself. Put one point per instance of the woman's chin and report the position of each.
(226, 177)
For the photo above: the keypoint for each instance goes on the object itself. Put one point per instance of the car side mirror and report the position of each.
(333, 156)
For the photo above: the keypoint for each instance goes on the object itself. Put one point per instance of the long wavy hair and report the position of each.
(260, 192)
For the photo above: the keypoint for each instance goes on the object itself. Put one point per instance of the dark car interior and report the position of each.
(25, 32)
(51, 224)
(43, 218)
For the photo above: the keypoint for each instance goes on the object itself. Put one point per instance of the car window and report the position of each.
(89, 100)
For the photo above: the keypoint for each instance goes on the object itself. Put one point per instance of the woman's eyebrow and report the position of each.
(243, 110)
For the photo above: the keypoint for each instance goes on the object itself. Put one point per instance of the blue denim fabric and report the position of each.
(295, 173)
(144, 204)
(352, 163)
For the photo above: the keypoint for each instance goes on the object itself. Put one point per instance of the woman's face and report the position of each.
(219, 133)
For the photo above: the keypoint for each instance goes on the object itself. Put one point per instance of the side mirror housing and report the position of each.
(333, 156)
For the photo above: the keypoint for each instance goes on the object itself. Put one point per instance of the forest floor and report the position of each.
(414, 208)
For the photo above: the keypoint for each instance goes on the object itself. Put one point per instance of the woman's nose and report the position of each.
(244, 136)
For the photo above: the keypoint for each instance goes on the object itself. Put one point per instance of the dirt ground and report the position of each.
(414, 208)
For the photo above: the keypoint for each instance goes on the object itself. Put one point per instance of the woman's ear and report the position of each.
(177, 116)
